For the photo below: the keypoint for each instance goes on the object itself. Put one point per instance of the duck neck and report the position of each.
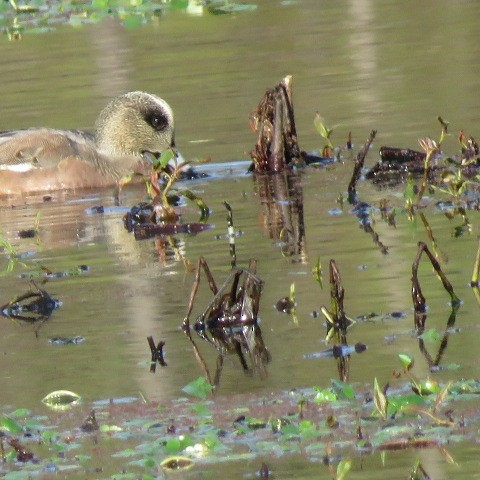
(119, 167)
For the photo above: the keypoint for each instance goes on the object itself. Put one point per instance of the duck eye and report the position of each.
(156, 120)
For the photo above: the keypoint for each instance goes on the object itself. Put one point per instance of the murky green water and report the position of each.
(364, 65)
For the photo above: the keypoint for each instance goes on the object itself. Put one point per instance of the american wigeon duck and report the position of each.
(128, 129)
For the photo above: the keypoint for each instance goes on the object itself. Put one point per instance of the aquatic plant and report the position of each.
(143, 440)
(431, 148)
(159, 216)
(337, 321)
(10, 252)
(476, 268)
(166, 171)
(317, 272)
(34, 17)
(325, 132)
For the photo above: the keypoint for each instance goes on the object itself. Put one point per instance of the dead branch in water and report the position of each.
(359, 162)
(419, 302)
(277, 146)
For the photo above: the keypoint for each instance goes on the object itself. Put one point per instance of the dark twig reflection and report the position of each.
(361, 209)
(433, 363)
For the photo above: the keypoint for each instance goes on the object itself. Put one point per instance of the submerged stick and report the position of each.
(367, 227)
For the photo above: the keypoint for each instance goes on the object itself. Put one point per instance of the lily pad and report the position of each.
(61, 399)
(177, 463)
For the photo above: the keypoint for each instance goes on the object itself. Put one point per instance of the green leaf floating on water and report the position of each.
(61, 399)
(10, 425)
(21, 412)
(343, 390)
(432, 335)
(110, 428)
(177, 463)
(325, 395)
(178, 444)
(198, 388)
(429, 387)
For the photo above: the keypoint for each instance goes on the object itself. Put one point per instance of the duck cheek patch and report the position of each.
(156, 120)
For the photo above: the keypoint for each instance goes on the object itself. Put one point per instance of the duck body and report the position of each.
(45, 159)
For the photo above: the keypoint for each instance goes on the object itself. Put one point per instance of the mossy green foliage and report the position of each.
(188, 433)
(200, 388)
(37, 16)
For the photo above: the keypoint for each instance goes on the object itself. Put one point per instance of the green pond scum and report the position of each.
(136, 440)
(35, 16)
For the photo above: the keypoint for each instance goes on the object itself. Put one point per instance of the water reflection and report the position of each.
(434, 362)
(363, 46)
(281, 196)
(113, 59)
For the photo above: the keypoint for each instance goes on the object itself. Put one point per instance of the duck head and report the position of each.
(134, 124)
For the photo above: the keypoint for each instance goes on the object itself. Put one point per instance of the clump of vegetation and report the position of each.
(159, 216)
(35, 16)
(329, 150)
(166, 171)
